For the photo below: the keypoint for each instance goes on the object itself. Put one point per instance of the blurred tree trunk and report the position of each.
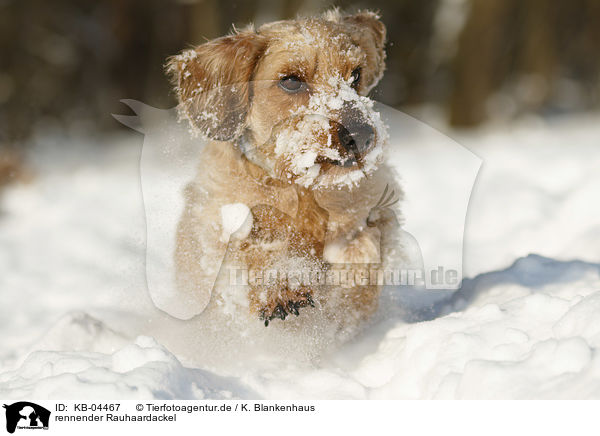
(483, 59)
(67, 62)
(537, 58)
(204, 21)
(543, 54)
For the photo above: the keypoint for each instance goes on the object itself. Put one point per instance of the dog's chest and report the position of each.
(304, 226)
(311, 218)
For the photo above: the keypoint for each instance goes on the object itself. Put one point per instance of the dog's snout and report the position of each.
(356, 137)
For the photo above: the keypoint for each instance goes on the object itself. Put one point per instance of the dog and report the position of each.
(292, 177)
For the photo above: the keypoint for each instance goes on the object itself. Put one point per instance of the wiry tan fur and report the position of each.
(227, 89)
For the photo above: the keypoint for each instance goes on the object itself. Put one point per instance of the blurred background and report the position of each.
(65, 64)
(517, 82)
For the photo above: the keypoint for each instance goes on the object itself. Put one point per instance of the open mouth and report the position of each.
(347, 162)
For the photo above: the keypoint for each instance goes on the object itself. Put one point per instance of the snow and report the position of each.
(236, 220)
(139, 370)
(301, 144)
(77, 321)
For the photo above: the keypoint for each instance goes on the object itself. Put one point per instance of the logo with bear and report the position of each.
(26, 415)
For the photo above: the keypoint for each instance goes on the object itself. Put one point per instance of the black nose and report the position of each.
(356, 137)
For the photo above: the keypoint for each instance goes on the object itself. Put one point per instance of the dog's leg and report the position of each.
(279, 259)
(352, 263)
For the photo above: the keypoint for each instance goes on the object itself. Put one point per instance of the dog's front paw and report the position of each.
(283, 303)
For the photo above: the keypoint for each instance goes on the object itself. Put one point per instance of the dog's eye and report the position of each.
(355, 76)
(292, 84)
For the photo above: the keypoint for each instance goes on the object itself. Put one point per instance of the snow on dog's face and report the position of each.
(291, 95)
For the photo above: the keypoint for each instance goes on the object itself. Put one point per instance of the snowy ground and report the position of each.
(76, 320)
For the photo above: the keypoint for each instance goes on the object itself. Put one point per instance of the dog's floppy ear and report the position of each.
(368, 32)
(212, 83)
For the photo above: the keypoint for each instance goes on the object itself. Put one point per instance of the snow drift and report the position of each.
(77, 322)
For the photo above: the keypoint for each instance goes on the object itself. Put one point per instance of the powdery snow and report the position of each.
(236, 220)
(76, 320)
(301, 144)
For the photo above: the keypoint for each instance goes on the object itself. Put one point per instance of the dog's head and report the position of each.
(291, 95)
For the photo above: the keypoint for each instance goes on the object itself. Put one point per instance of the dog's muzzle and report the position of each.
(355, 135)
